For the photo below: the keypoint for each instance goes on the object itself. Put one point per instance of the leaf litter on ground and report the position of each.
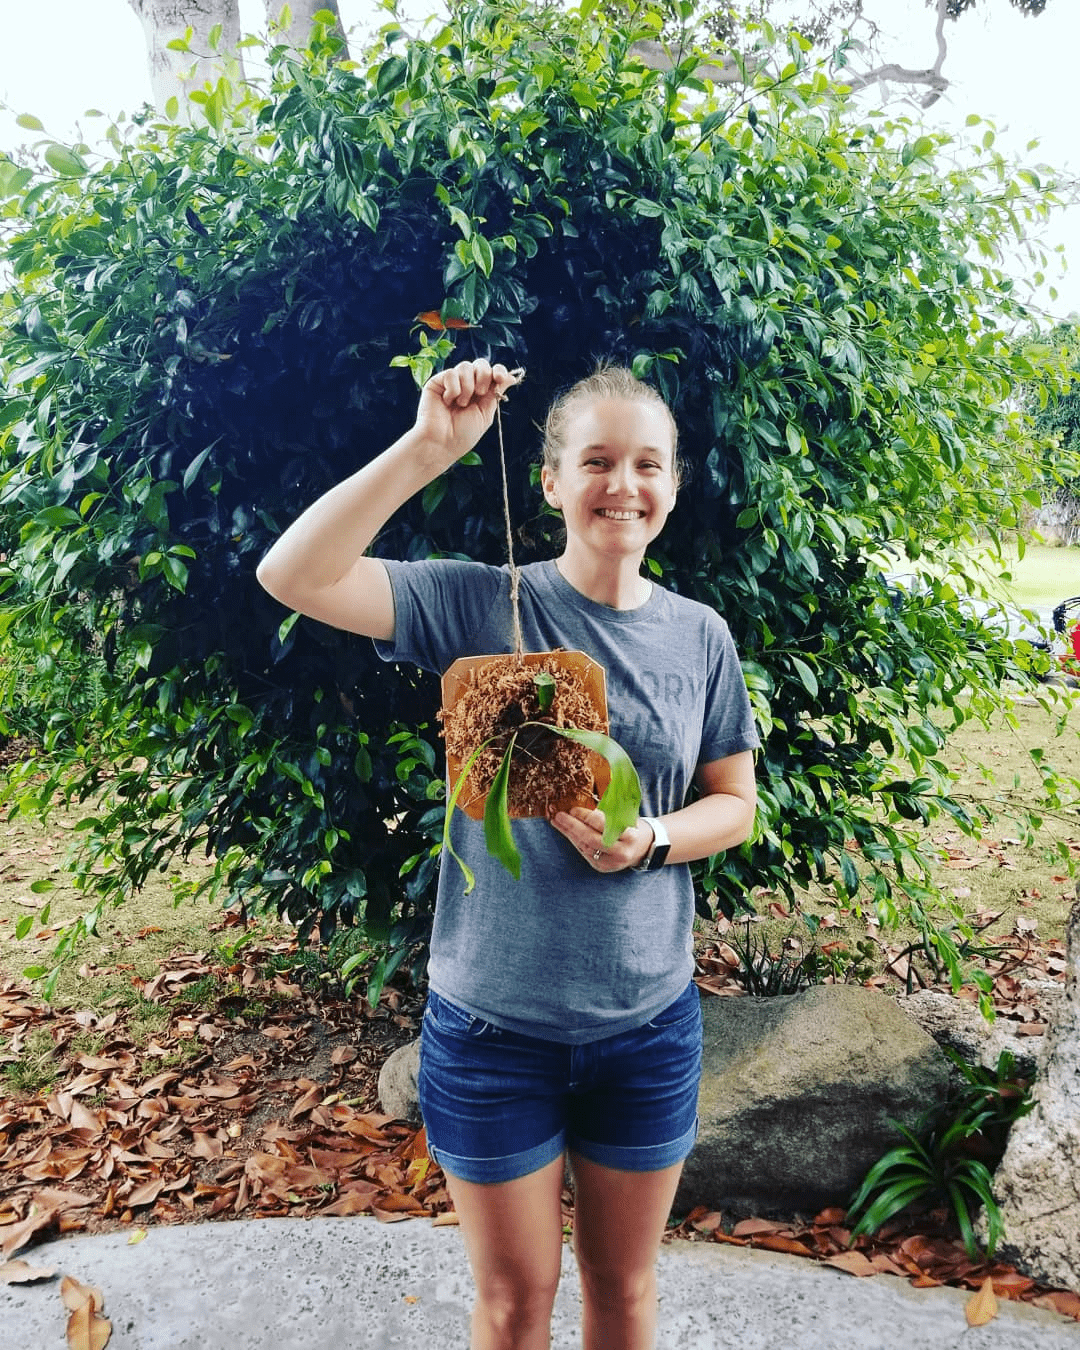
(264, 1104)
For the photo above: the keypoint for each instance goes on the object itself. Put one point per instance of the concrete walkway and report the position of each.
(357, 1284)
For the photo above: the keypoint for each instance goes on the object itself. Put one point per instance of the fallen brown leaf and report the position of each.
(19, 1272)
(75, 1294)
(17, 1235)
(774, 1242)
(752, 1227)
(145, 1194)
(1060, 1301)
(982, 1307)
(86, 1330)
(855, 1263)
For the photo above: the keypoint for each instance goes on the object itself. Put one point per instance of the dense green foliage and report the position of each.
(207, 328)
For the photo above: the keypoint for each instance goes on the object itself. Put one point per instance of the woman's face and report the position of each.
(615, 481)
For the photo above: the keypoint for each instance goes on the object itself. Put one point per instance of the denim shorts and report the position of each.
(498, 1105)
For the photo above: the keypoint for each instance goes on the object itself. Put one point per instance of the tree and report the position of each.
(204, 332)
(190, 62)
(1056, 416)
(176, 67)
(828, 24)
(189, 42)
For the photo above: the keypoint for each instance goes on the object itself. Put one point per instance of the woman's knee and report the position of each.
(514, 1303)
(617, 1286)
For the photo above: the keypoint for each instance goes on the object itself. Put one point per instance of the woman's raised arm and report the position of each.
(318, 565)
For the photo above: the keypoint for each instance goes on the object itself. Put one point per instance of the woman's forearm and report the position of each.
(318, 565)
(709, 825)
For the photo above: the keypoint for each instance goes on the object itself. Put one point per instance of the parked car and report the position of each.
(1008, 621)
(988, 619)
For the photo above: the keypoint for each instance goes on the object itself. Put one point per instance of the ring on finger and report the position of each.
(597, 855)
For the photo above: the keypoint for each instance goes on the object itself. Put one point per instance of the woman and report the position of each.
(561, 1019)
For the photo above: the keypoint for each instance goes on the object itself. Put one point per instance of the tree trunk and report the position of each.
(303, 13)
(1037, 1184)
(175, 73)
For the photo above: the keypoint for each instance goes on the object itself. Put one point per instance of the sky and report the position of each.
(1019, 72)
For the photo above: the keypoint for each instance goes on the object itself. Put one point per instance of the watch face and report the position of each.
(659, 856)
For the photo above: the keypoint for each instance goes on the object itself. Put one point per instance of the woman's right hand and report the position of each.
(458, 405)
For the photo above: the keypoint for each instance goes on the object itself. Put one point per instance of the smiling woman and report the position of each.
(517, 986)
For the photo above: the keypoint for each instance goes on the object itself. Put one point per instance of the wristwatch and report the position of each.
(658, 850)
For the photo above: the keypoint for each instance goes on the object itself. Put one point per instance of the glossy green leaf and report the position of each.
(192, 470)
(65, 161)
(621, 801)
(498, 836)
(470, 876)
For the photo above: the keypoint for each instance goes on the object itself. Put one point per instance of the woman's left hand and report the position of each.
(585, 830)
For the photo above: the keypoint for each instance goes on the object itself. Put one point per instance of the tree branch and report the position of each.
(932, 76)
(658, 56)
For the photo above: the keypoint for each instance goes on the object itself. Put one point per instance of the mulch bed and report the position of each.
(225, 1114)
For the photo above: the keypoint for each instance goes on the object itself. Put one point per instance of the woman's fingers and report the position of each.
(585, 830)
(472, 381)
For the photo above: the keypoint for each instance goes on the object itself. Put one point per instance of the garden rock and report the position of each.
(1037, 1184)
(796, 1097)
(397, 1084)
(959, 1025)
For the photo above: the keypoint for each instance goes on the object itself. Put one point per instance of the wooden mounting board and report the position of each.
(456, 680)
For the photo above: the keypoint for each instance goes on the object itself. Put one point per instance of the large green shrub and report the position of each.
(209, 327)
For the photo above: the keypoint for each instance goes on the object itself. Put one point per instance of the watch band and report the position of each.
(660, 848)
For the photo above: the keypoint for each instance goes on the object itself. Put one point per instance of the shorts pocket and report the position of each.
(447, 1017)
(685, 1009)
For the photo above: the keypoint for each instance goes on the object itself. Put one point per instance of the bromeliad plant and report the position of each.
(528, 734)
(948, 1158)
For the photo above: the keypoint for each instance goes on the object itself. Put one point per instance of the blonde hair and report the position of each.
(605, 382)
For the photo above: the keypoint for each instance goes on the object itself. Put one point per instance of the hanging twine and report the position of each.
(515, 571)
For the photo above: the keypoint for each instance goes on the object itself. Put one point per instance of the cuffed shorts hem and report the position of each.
(649, 1158)
(488, 1170)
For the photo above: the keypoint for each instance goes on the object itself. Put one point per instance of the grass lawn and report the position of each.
(1010, 888)
(1041, 579)
(1044, 576)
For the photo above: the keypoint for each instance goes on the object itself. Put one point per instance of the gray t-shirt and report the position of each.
(567, 953)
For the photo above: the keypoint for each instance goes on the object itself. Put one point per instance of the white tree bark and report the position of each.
(303, 13)
(173, 73)
(932, 76)
(723, 69)
(659, 56)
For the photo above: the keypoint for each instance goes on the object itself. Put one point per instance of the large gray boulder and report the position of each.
(397, 1083)
(1037, 1184)
(797, 1094)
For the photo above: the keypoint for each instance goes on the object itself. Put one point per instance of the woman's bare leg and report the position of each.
(513, 1235)
(619, 1219)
